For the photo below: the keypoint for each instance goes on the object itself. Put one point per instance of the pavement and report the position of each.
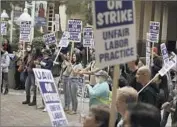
(13, 113)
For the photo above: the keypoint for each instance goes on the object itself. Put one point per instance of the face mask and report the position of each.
(98, 80)
(28, 49)
(2, 52)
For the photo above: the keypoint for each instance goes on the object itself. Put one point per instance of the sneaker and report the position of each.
(45, 110)
(66, 109)
(73, 113)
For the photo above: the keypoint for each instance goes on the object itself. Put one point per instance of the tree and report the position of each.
(7, 5)
(81, 7)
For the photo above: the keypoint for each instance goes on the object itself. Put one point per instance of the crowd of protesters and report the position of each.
(133, 109)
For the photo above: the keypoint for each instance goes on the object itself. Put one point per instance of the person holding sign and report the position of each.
(65, 72)
(150, 93)
(76, 67)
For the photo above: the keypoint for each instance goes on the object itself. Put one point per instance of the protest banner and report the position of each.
(164, 53)
(49, 38)
(3, 28)
(64, 42)
(148, 52)
(154, 28)
(115, 37)
(165, 57)
(87, 38)
(163, 70)
(25, 31)
(49, 92)
(74, 29)
(167, 67)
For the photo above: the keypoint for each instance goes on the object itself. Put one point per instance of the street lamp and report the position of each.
(25, 16)
(4, 15)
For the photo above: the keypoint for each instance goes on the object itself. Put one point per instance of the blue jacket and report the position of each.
(98, 91)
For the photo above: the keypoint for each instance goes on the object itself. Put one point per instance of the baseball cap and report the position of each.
(102, 73)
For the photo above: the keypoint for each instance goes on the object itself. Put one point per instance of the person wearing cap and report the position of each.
(99, 93)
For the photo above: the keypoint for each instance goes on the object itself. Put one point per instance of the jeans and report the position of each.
(66, 89)
(5, 80)
(30, 82)
(73, 91)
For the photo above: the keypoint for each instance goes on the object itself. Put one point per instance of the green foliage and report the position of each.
(82, 7)
(38, 42)
(6, 5)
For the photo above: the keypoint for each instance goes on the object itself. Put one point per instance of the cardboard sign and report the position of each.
(49, 38)
(25, 31)
(49, 92)
(148, 53)
(75, 29)
(115, 32)
(154, 29)
(170, 65)
(164, 53)
(3, 28)
(87, 37)
(64, 42)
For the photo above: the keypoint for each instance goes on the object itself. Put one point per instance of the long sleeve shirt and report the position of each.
(98, 91)
(5, 62)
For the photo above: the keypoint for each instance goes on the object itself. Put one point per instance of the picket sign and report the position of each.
(108, 52)
(167, 67)
(54, 62)
(74, 29)
(3, 28)
(64, 42)
(87, 39)
(49, 38)
(25, 31)
(165, 57)
(49, 92)
(162, 71)
(148, 51)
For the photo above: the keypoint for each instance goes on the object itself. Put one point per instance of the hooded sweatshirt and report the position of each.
(5, 62)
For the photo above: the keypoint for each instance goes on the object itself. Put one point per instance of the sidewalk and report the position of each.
(13, 113)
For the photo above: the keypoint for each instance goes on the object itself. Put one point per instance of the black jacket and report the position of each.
(132, 81)
(149, 95)
(157, 65)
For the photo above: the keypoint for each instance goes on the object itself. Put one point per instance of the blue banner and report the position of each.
(49, 38)
(75, 29)
(113, 13)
